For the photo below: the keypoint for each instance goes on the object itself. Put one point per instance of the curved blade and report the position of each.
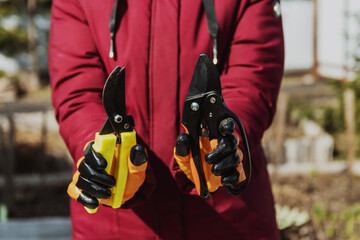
(114, 103)
(114, 93)
(205, 78)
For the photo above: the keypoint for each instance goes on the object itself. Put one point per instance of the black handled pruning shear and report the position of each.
(204, 109)
(117, 136)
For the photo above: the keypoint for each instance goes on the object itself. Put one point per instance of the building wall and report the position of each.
(337, 29)
(298, 27)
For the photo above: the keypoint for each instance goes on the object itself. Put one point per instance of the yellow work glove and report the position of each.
(91, 184)
(221, 158)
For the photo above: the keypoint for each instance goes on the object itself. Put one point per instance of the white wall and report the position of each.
(335, 22)
(297, 16)
(331, 38)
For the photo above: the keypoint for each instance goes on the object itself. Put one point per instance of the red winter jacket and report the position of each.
(159, 41)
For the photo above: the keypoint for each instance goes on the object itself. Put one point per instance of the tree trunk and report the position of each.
(349, 106)
(34, 79)
(279, 131)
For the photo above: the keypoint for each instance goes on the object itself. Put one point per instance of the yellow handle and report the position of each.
(106, 146)
(128, 140)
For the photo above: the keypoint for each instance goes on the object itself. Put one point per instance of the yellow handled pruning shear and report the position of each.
(117, 136)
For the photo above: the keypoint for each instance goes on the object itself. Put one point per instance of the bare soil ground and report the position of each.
(330, 200)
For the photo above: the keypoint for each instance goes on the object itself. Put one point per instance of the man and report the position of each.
(159, 43)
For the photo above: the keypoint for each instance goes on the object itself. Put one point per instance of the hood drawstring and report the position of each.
(212, 25)
(112, 28)
(210, 16)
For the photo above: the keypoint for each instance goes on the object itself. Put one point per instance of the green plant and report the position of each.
(333, 121)
(337, 224)
(286, 217)
(319, 212)
(13, 41)
(2, 74)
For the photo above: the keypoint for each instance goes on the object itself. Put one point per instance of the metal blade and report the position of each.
(114, 93)
(115, 105)
(107, 127)
(205, 78)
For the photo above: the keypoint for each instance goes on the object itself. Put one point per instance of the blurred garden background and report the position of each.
(312, 146)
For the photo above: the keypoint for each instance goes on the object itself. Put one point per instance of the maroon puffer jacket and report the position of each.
(159, 41)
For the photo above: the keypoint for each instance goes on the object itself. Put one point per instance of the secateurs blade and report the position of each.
(204, 109)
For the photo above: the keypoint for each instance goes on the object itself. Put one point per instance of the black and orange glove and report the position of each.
(91, 184)
(221, 158)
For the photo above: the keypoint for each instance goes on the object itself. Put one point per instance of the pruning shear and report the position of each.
(204, 109)
(117, 136)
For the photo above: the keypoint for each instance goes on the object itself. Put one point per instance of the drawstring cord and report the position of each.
(112, 28)
(212, 25)
(215, 52)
